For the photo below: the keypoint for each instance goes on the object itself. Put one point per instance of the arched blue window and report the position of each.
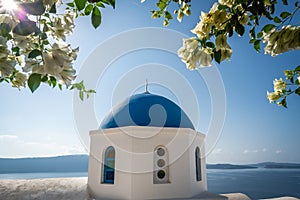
(108, 173)
(198, 164)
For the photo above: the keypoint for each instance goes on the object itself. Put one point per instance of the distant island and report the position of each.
(79, 163)
(229, 166)
(274, 165)
(71, 163)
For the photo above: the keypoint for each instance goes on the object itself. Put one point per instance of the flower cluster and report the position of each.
(214, 17)
(36, 45)
(229, 3)
(193, 55)
(222, 45)
(280, 41)
(64, 26)
(279, 90)
(6, 59)
(184, 10)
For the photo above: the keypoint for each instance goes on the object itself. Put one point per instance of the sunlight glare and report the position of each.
(9, 5)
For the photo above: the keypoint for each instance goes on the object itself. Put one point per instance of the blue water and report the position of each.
(256, 183)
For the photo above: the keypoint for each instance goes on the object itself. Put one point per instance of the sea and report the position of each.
(257, 183)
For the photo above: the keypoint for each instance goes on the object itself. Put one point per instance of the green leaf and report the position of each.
(110, 2)
(35, 8)
(272, 9)
(259, 35)
(252, 41)
(70, 4)
(53, 8)
(268, 27)
(53, 81)
(34, 53)
(100, 4)
(26, 28)
(16, 50)
(44, 78)
(257, 45)
(161, 5)
(210, 44)
(80, 4)
(297, 69)
(222, 7)
(277, 20)
(96, 17)
(78, 86)
(5, 29)
(81, 95)
(252, 32)
(240, 29)
(91, 91)
(284, 103)
(284, 15)
(34, 81)
(297, 91)
(285, 2)
(168, 15)
(218, 56)
(88, 9)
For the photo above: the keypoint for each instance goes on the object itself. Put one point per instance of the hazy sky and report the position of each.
(42, 124)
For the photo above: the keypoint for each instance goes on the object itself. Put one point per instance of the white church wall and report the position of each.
(134, 148)
(198, 186)
(121, 189)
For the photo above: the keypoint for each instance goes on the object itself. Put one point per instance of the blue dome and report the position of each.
(147, 110)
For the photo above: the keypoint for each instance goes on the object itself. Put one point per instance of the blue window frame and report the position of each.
(108, 175)
(198, 164)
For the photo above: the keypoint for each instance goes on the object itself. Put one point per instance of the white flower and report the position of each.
(228, 3)
(3, 52)
(58, 29)
(273, 96)
(67, 75)
(281, 41)
(244, 19)
(69, 21)
(19, 80)
(221, 44)
(226, 54)
(63, 26)
(202, 30)
(7, 19)
(32, 65)
(298, 80)
(180, 15)
(279, 85)
(193, 55)
(25, 43)
(49, 3)
(50, 65)
(205, 57)
(58, 63)
(215, 17)
(7, 67)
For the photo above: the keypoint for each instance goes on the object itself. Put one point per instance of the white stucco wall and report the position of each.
(134, 148)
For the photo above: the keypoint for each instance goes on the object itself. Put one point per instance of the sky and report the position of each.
(44, 123)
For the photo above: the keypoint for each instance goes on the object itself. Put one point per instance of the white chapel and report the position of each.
(146, 148)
